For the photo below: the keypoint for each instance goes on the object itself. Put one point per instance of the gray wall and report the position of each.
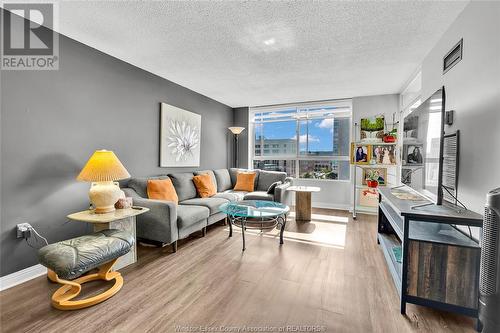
(241, 119)
(473, 91)
(52, 121)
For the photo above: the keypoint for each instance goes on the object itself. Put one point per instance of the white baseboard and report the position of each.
(330, 205)
(11, 280)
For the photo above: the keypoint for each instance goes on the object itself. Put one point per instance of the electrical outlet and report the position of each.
(24, 230)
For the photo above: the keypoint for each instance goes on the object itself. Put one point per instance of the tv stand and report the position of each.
(439, 264)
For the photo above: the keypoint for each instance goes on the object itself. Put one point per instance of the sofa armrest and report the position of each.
(281, 194)
(159, 223)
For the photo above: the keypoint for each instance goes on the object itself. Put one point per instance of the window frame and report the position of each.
(343, 106)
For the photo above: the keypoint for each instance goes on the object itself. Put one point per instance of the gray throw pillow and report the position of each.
(271, 188)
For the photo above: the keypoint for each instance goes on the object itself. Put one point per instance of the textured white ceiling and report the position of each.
(258, 53)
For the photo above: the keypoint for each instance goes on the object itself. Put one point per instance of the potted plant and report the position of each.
(372, 177)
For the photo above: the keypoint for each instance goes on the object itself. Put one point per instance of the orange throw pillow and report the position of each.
(245, 181)
(162, 189)
(204, 185)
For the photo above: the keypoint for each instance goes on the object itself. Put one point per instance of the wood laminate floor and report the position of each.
(329, 274)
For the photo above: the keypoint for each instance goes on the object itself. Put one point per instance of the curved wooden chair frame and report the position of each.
(62, 297)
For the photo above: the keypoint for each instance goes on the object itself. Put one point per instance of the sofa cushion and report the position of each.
(267, 178)
(228, 196)
(259, 195)
(162, 189)
(210, 172)
(210, 203)
(188, 215)
(223, 180)
(205, 185)
(238, 194)
(140, 185)
(184, 186)
(233, 172)
(245, 181)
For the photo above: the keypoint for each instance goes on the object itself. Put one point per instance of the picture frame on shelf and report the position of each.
(372, 129)
(360, 154)
(382, 175)
(384, 154)
(412, 154)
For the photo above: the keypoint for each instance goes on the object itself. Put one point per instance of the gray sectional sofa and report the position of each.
(167, 222)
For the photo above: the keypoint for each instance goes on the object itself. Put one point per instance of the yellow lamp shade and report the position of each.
(103, 166)
(236, 130)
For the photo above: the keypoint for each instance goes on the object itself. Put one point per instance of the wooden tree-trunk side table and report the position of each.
(121, 219)
(303, 201)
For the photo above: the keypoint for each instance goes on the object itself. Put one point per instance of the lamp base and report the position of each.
(104, 195)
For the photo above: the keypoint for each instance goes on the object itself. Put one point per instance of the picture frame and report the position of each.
(180, 137)
(384, 154)
(366, 154)
(372, 129)
(382, 181)
(412, 154)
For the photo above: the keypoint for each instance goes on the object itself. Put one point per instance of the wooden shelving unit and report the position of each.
(430, 244)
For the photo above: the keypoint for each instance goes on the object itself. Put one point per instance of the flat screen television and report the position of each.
(422, 154)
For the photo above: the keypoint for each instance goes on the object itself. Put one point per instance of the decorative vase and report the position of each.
(372, 183)
(104, 195)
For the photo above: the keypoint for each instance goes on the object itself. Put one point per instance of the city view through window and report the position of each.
(304, 142)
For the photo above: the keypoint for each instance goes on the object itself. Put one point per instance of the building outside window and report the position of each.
(304, 140)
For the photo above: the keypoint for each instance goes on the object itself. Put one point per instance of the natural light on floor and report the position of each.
(323, 230)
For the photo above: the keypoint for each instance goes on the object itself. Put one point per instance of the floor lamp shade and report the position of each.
(102, 169)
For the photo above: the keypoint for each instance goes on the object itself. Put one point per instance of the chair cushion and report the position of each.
(162, 189)
(184, 186)
(211, 203)
(189, 215)
(205, 185)
(71, 258)
(259, 195)
(267, 178)
(210, 172)
(223, 180)
(245, 181)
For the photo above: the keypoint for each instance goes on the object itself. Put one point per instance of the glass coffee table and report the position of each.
(255, 214)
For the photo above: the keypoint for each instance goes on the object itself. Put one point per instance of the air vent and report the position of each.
(453, 56)
(489, 253)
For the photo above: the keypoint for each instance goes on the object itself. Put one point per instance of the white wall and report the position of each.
(473, 91)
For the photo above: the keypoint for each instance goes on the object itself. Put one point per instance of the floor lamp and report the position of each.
(236, 131)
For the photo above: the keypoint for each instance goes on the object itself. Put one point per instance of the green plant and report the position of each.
(372, 175)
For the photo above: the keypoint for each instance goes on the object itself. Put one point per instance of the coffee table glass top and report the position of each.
(254, 208)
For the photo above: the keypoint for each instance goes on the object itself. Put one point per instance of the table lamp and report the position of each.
(236, 131)
(102, 169)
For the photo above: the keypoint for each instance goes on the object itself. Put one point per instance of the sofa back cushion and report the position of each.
(205, 185)
(267, 178)
(223, 180)
(162, 189)
(140, 185)
(233, 172)
(184, 186)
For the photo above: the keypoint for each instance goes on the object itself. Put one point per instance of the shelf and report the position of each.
(387, 242)
(439, 233)
(367, 209)
(394, 218)
(360, 143)
(374, 165)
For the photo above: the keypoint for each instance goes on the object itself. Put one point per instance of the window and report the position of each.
(305, 140)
